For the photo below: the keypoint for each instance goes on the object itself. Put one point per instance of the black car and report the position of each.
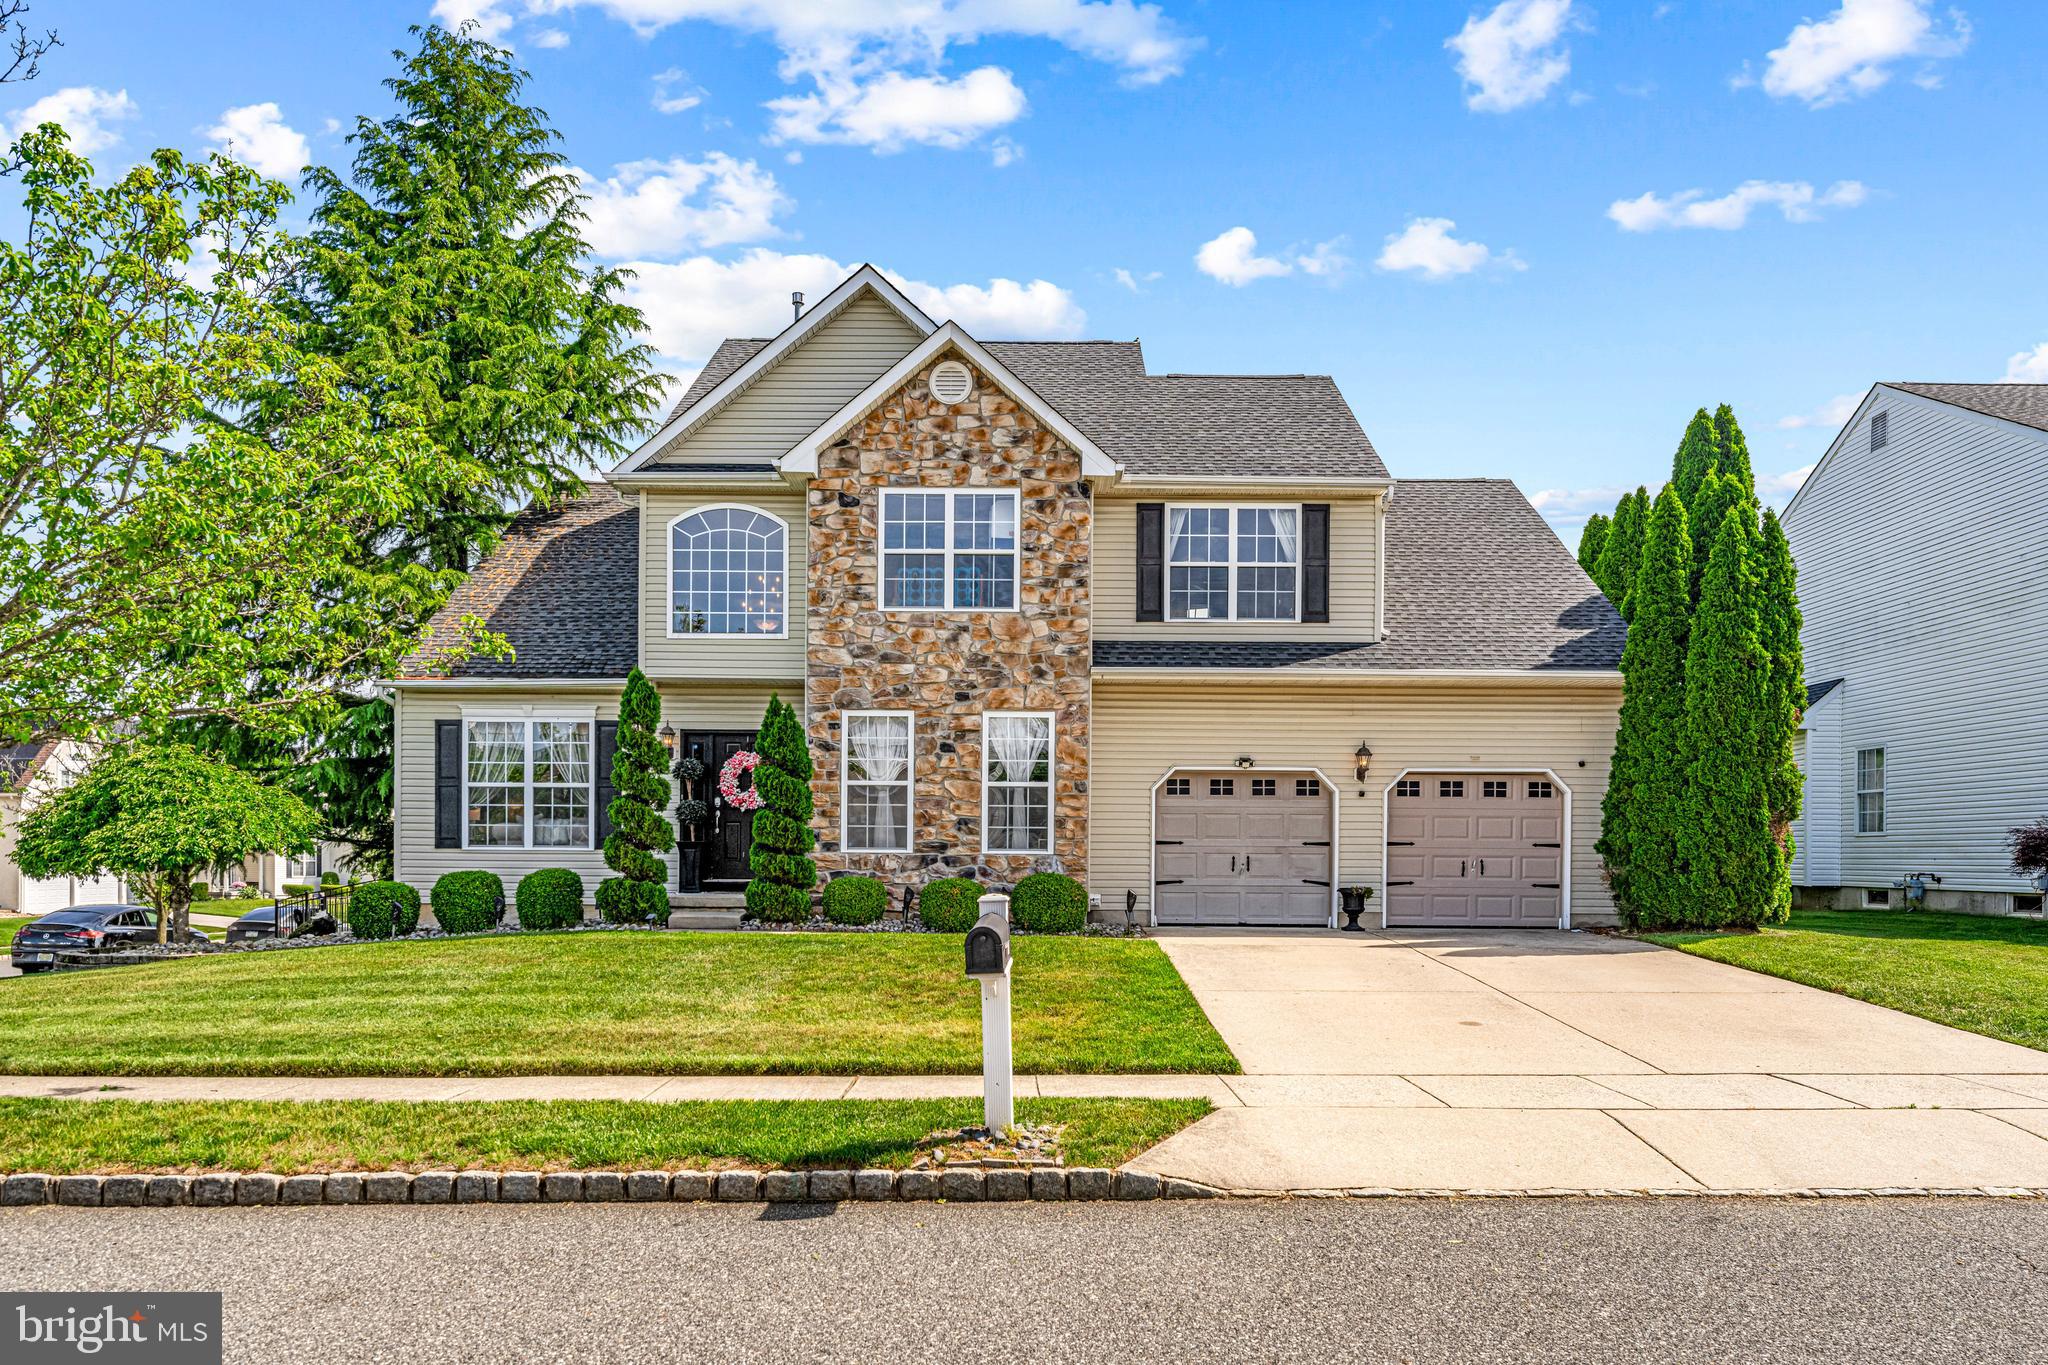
(296, 919)
(85, 929)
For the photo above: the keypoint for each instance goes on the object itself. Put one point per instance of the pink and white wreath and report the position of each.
(736, 796)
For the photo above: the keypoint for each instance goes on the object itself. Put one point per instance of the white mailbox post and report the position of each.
(988, 961)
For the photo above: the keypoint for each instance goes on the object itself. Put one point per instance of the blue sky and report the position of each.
(1528, 239)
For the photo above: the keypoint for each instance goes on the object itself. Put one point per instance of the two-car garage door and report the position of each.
(1475, 849)
(1238, 847)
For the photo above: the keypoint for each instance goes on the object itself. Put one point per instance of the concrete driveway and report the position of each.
(1531, 1060)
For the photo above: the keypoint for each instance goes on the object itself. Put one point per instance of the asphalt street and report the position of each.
(1465, 1281)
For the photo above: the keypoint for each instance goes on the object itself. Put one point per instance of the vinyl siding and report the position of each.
(790, 400)
(420, 863)
(1921, 569)
(1354, 575)
(1817, 833)
(710, 656)
(1143, 729)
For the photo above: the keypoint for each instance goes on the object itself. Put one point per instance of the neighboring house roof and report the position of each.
(562, 588)
(21, 762)
(1476, 580)
(2026, 404)
(1815, 691)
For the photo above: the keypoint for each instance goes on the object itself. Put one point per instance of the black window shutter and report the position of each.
(601, 777)
(1315, 562)
(447, 784)
(1151, 561)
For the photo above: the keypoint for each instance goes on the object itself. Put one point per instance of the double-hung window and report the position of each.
(1233, 563)
(876, 781)
(949, 550)
(1016, 782)
(527, 782)
(1870, 791)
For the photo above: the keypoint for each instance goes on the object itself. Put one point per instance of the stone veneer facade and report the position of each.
(950, 667)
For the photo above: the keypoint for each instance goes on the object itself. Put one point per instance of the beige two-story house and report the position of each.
(1183, 637)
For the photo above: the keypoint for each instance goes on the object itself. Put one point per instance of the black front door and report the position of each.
(728, 836)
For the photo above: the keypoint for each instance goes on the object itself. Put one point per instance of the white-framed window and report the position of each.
(1233, 563)
(303, 867)
(878, 763)
(949, 549)
(728, 573)
(1016, 782)
(526, 781)
(1870, 791)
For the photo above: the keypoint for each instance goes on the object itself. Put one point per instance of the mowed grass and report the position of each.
(1973, 972)
(616, 1003)
(60, 1137)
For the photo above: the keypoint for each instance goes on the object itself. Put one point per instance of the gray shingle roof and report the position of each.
(732, 353)
(1476, 579)
(1815, 691)
(562, 589)
(2026, 404)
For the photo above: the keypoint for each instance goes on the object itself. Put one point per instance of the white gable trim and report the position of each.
(1893, 397)
(867, 279)
(803, 456)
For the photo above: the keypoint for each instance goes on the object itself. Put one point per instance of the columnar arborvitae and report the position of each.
(1591, 539)
(1731, 451)
(1622, 552)
(1734, 867)
(784, 875)
(1718, 494)
(1697, 451)
(639, 828)
(1644, 805)
(1778, 623)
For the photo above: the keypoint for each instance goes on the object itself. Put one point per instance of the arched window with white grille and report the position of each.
(727, 570)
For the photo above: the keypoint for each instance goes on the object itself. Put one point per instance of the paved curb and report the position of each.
(957, 1185)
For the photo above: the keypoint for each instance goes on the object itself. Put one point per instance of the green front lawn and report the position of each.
(1972, 972)
(60, 1137)
(643, 1003)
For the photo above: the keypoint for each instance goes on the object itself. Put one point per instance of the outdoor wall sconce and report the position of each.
(667, 735)
(1364, 757)
(1245, 762)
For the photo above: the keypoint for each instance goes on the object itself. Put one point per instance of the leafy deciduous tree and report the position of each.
(640, 830)
(784, 874)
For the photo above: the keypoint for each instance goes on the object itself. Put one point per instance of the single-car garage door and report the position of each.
(1475, 849)
(1238, 847)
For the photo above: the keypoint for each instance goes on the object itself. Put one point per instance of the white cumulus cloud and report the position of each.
(893, 110)
(657, 208)
(85, 111)
(673, 92)
(1852, 51)
(1777, 489)
(2028, 367)
(549, 37)
(1833, 413)
(1514, 54)
(1232, 257)
(1796, 200)
(1427, 247)
(258, 136)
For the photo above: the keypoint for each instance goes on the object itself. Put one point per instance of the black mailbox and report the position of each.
(988, 951)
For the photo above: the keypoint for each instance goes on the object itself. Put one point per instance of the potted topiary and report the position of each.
(691, 815)
(2029, 844)
(1355, 898)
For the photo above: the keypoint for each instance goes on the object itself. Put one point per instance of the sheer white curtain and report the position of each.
(1018, 748)
(1176, 530)
(878, 781)
(1283, 532)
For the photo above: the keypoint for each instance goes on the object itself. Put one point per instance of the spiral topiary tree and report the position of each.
(784, 875)
(639, 829)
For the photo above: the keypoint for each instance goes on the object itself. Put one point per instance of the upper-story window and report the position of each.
(1233, 563)
(727, 570)
(949, 550)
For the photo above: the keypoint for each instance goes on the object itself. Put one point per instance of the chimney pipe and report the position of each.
(796, 303)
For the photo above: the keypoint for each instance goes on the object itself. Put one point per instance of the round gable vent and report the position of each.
(951, 383)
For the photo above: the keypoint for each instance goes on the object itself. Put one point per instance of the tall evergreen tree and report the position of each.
(1731, 451)
(1697, 451)
(1734, 867)
(1718, 495)
(784, 874)
(1591, 539)
(1778, 625)
(640, 829)
(1622, 552)
(1644, 805)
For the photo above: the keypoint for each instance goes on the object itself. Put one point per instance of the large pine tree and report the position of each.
(1734, 866)
(1622, 552)
(1644, 805)
(1698, 450)
(1591, 539)
(1778, 624)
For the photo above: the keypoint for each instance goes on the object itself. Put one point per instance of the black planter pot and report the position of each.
(1354, 906)
(689, 869)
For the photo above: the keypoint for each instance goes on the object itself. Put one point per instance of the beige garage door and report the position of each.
(1475, 849)
(1240, 847)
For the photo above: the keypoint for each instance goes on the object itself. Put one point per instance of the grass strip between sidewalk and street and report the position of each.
(289, 1137)
(535, 1004)
(1976, 972)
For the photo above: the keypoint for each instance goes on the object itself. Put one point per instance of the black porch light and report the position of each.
(1364, 757)
(667, 735)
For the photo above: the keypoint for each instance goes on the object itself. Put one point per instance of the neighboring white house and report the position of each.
(1922, 548)
(30, 774)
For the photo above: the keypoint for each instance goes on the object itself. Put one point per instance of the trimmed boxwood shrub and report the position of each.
(1049, 903)
(949, 905)
(467, 902)
(330, 879)
(855, 900)
(298, 889)
(551, 898)
(383, 909)
(621, 901)
(201, 891)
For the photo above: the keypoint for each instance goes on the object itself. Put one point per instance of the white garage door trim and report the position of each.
(1336, 828)
(1564, 919)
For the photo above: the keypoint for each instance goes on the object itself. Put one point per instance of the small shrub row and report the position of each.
(855, 900)
(383, 910)
(468, 902)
